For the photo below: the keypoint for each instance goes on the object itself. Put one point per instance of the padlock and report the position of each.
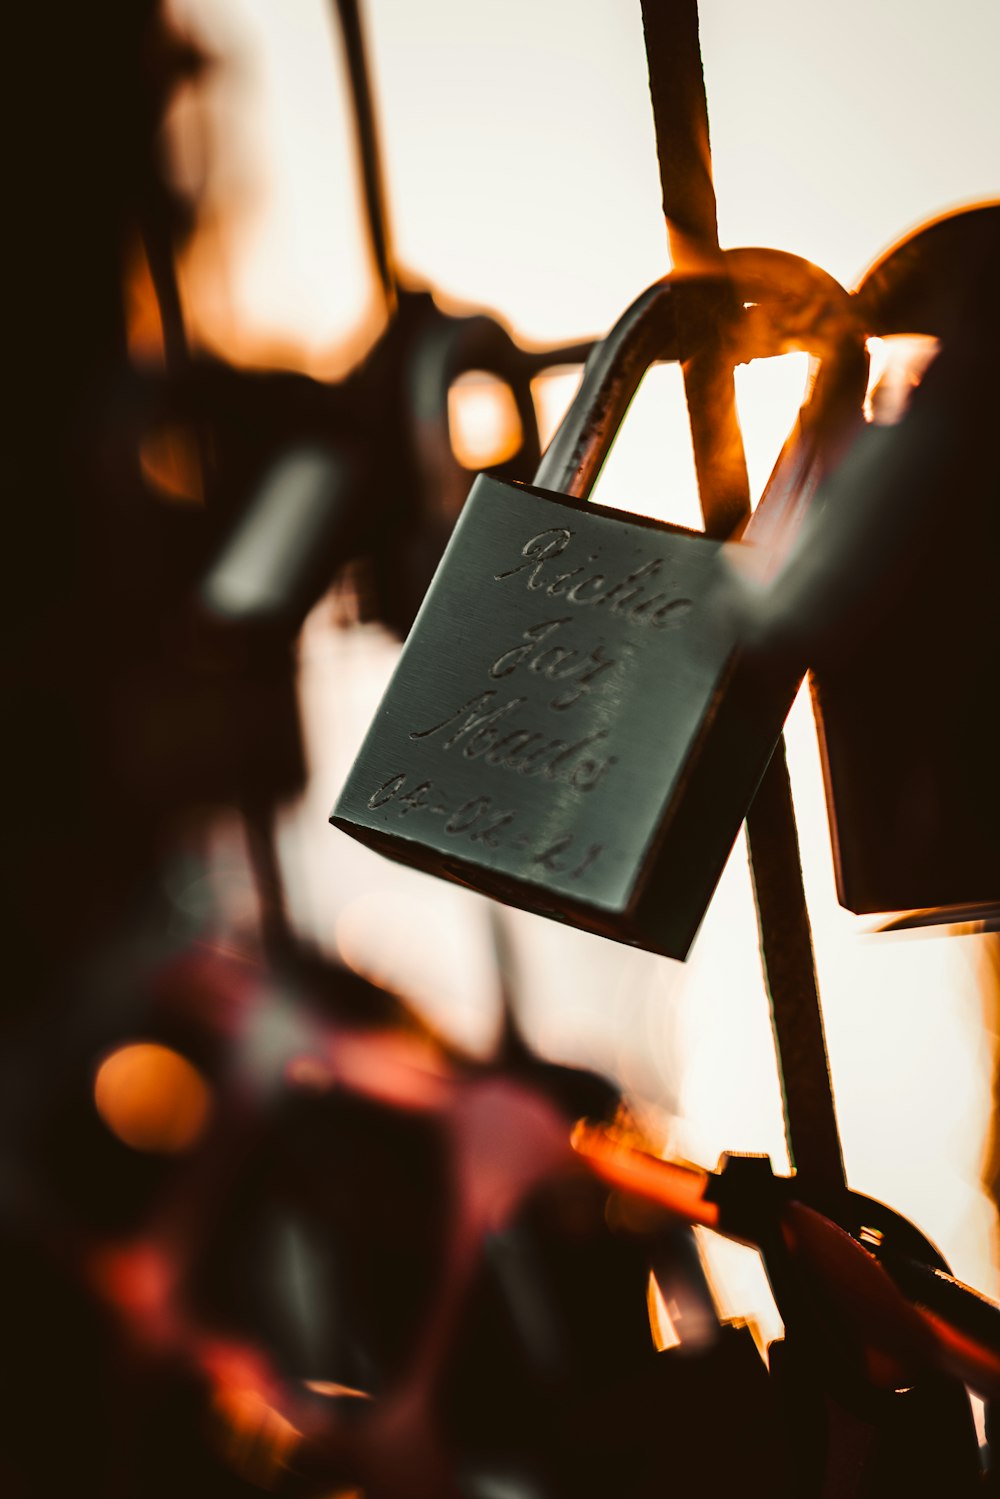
(418, 483)
(907, 654)
(572, 727)
(420, 486)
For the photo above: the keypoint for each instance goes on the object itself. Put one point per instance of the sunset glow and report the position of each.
(522, 178)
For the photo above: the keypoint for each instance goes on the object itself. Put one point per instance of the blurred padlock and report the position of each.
(418, 483)
(902, 584)
(572, 727)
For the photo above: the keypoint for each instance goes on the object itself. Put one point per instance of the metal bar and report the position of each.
(277, 935)
(790, 975)
(155, 235)
(680, 116)
(373, 179)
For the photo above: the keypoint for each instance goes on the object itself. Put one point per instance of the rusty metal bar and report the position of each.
(680, 116)
(790, 975)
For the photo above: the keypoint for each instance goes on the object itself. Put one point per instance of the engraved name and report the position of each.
(558, 662)
(630, 597)
(482, 729)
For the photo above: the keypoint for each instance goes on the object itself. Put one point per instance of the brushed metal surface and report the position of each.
(551, 713)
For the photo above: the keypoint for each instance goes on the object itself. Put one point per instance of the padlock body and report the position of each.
(906, 687)
(570, 727)
(907, 721)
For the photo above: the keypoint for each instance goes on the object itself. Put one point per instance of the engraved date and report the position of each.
(483, 823)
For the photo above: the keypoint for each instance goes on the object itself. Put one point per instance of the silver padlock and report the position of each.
(572, 726)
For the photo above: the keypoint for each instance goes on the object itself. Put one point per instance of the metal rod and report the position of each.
(277, 935)
(680, 116)
(790, 975)
(156, 242)
(373, 178)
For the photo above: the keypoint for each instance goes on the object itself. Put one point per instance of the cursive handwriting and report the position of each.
(628, 597)
(556, 663)
(522, 750)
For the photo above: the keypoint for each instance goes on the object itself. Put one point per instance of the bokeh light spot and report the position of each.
(483, 421)
(152, 1098)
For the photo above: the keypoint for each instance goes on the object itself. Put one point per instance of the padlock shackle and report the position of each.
(452, 347)
(920, 284)
(785, 304)
(449, 347)
(887, 488)
(646, 331)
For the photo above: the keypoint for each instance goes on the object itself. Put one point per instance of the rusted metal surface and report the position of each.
(681, 120)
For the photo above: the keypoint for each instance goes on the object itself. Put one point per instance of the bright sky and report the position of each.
(521, 176)
(519, 146)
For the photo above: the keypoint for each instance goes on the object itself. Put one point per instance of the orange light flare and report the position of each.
(331, 1389)
(271, 278)
(140, 1282)
(897, 365)
(677, 1189)
(168, 455)
(143, 323)
(662, 1319)
(254, 1438)
(152, 1098)
(171, 464)
(900, 1338)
